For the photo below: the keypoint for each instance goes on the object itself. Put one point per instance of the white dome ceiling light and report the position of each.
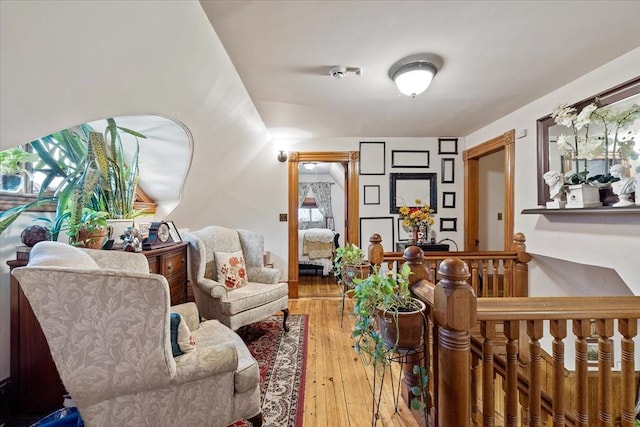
(413, 74)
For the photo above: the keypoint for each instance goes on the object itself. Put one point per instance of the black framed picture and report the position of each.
(405, 188)
(372, 158)
(447, 171)
(380, 225)
(404, 234)
(448, 224)
(410, 158)
(173, 232)
(371, 194)
(448, 199)
(447, 145)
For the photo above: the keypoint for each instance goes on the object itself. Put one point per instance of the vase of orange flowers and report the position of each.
(417, 218)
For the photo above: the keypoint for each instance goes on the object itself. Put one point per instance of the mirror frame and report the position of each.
(615, 94)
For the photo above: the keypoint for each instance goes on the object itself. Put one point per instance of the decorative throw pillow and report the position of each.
(181, 339)
(231, 269)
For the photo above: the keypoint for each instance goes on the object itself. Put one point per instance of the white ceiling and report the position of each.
(498, 56)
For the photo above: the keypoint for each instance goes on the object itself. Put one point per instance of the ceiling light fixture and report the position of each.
(413, 74)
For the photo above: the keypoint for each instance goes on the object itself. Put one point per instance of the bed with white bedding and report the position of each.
(315, 247)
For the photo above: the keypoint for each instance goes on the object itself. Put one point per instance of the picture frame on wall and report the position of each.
(371, 194)
(447, 171)
(410, 158)
(447, 145)
(405, 188)
(404, 235)
(448, 224)
(380, 225)
(372, 158)
(448, 199)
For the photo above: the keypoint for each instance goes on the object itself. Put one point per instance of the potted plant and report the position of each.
(349, 264)
(13, 167)
(388, 319)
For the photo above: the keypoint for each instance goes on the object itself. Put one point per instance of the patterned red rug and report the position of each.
(282, 360)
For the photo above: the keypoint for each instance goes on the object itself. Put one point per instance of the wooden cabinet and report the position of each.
(35, 387)
(171, 262)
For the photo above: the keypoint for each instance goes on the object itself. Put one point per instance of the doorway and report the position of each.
(504, 144)
(349, 161)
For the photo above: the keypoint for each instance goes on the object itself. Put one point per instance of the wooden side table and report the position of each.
(35, 386)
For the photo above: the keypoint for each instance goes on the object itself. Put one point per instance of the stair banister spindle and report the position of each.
(488, 331)
(558, 330)
(535, 332)
(582, 330)
(604, 328)
(512, 334)
(628, 328)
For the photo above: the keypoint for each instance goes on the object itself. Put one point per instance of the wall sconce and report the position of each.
(413, 74)
(282, 156)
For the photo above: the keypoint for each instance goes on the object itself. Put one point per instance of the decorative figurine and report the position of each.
(555, 181)
(624, 187)
(132, 240)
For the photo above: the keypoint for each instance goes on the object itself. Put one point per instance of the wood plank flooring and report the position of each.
(338, 385)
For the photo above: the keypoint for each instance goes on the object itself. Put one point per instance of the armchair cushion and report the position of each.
(231, 269)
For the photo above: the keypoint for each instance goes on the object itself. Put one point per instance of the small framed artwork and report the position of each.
(372, 158)
(371, 194)
(447, 145)
(404, 235)
(448, 224)
(447, 170)
(448, 199)
(405, 188)
(409, 159)
(173, 232)
(381, 225)
(143, 227)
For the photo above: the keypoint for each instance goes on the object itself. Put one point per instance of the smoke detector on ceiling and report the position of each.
(340, 71)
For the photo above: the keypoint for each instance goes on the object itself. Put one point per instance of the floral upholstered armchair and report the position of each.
(126, 356)
(231, 283)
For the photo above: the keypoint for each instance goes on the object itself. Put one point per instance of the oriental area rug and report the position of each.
(282, 360)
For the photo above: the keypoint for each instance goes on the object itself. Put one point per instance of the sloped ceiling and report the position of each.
(498, 56)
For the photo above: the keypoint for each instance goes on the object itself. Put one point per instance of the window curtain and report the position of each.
(303, 190)
(322, 193)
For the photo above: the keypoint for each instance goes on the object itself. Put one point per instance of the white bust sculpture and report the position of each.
(624, 187)
(555, 181)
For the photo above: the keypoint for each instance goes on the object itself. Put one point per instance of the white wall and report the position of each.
(601, 240)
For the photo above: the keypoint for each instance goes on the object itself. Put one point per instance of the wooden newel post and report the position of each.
(521, 268)
(376, 251)
(414, 256)
(455, 310)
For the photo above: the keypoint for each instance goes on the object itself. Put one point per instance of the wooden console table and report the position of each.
(35, 386)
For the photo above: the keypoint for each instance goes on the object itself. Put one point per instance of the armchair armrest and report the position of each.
(213, 288)
(190, 314)
(205, 362)
(266, 275)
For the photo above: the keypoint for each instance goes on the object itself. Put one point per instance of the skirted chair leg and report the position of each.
(284, 321)
(256, 421)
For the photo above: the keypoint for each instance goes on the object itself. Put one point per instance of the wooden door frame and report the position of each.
(351, 163)
(471, 157)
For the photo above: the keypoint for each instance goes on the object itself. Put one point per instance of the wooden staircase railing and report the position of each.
(467, 357)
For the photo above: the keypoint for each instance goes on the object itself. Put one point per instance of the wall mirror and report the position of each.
(618, 98)
(405, 188)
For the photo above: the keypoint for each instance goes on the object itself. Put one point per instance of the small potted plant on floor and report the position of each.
(388, 319)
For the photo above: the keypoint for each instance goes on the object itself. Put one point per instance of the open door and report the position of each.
(504, 143)
(350, 162)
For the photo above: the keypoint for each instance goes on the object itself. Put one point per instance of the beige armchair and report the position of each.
(218, 293)
(107, 323)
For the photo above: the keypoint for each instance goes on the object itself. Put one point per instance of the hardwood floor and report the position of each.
(338, 385)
